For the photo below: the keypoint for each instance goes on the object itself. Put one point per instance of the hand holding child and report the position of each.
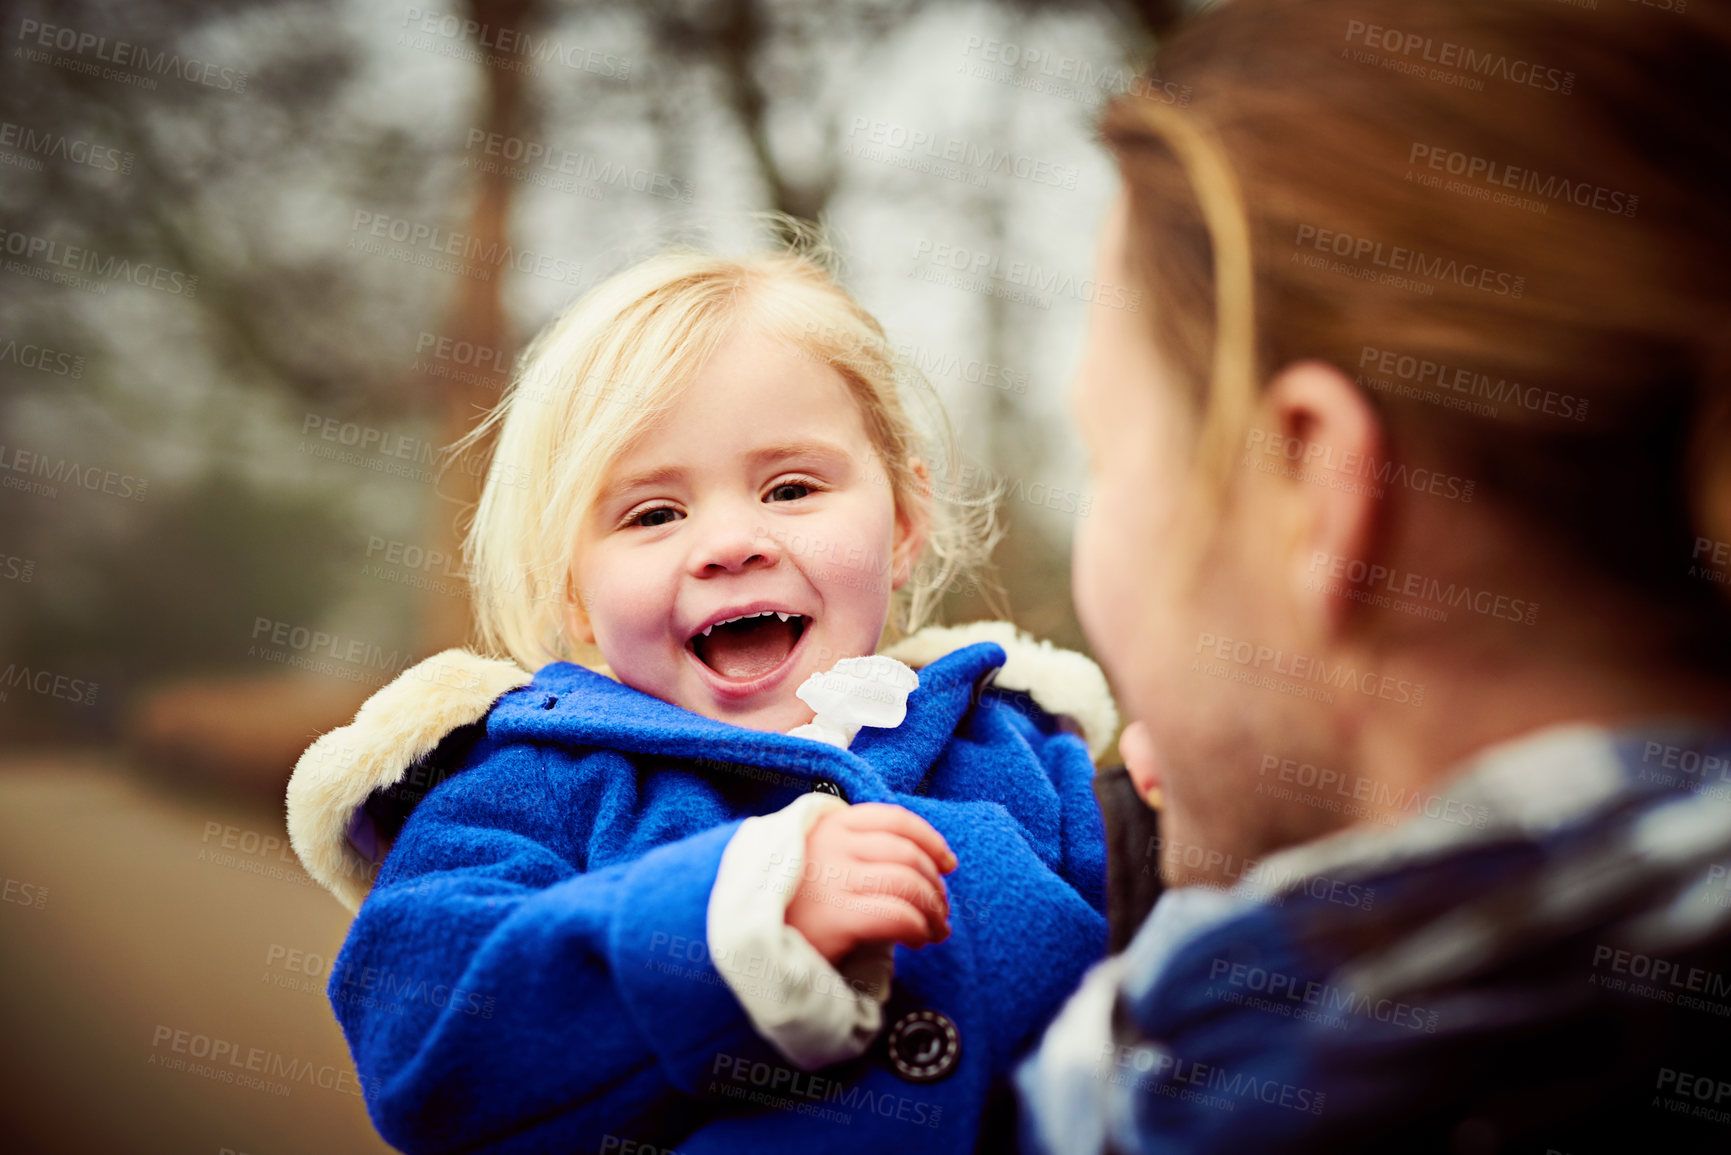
(874, 874)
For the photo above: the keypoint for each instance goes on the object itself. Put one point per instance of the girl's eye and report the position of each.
(650, 518)
(800, 488)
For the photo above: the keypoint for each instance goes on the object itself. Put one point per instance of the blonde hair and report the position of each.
(601, 372)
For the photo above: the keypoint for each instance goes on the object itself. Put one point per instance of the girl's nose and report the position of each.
(733, 542)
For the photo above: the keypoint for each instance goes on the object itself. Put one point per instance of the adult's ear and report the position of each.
(1324, 498)
(1141, 761)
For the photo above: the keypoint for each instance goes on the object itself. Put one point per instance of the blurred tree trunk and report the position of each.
(246, 733)
(477, 315)
(737, 50)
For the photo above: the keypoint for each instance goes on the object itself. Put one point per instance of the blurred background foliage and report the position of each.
(257, 178)
(180, 516)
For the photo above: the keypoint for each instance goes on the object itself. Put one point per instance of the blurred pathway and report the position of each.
(149, 943)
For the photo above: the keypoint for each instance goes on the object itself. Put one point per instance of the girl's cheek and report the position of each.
(645, 613)
(629, 605)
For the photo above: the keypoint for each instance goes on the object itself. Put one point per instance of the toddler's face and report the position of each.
(759, 490)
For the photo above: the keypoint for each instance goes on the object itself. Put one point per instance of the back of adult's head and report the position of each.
(1508, 220)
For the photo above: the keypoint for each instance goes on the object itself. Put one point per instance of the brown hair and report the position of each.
(1535, 195)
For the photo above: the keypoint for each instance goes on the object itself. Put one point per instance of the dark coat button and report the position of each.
(924, 1046)
(549, 701)
(825, 786)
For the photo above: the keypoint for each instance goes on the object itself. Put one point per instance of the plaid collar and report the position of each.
(1527, 787)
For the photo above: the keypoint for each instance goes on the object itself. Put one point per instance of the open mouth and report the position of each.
(747, 647)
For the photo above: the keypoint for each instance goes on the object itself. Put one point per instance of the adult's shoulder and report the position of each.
(1443, 987)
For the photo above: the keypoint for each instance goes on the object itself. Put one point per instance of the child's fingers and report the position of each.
(900, 820)
(887, 880)
(894, 920)
(882, 846)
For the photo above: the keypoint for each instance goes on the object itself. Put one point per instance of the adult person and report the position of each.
(1408, 557)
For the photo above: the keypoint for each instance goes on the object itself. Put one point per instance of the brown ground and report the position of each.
(125, 918)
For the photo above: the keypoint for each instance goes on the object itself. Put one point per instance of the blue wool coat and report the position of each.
(530, 970)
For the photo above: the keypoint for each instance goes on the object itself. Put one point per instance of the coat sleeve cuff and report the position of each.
(810, 1011)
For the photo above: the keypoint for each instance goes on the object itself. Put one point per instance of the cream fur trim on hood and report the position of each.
(405, 720)
(395, 728)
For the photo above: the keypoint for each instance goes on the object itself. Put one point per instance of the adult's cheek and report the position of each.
(1087, 585)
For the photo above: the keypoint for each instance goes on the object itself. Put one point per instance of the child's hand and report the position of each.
(873, 874)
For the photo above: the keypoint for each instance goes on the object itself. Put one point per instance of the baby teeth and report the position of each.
(759, 614)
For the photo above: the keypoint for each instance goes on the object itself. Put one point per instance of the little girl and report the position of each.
(685, 886)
